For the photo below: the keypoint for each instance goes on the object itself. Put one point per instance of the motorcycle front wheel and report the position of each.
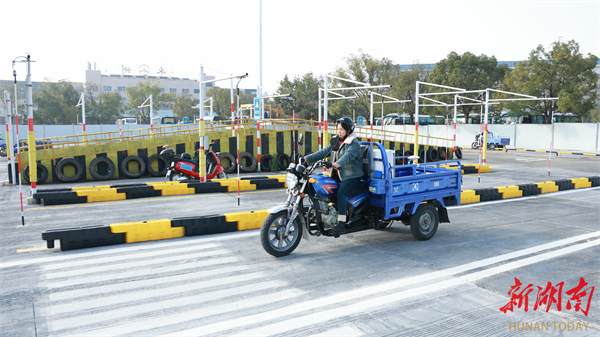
(272, 234)
(475, 145)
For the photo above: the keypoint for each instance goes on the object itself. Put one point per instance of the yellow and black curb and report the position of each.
(62, 196)
(580, 154)
(128, 232)
(539, 151)
(469, 168)
(76, 195)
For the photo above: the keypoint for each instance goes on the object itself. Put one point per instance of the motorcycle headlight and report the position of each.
(291, 180)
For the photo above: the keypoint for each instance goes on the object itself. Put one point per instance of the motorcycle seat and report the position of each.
(364, 186)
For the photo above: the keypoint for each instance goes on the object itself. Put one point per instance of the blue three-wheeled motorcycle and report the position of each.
(415, 194)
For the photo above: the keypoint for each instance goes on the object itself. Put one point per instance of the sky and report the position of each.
(297, 36)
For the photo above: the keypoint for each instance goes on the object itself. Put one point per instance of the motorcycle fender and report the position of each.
(276, 209)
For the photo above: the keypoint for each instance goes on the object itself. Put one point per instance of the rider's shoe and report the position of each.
(338, 229)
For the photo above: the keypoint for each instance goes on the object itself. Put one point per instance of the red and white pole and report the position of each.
(454, 136)
(319, 113)
(19, 168)
(551, 140)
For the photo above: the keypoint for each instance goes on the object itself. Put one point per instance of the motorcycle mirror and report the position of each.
(300, 139)
(335, 143)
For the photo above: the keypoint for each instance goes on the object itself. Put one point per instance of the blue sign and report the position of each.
(256, 108)
(361, 121)
(186, 120)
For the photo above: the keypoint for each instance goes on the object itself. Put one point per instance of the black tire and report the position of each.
(491, 146)
(424, 223)
(40, 169)
(60, 174)
(432, 154)
(125, 167)
(265, 162)
(269, 239)
(232, 162)
(110, 168)
(458, 153)
(422, 155)
(161, 171)
(222, 175)
(442, 151)
(247, 168)
(175, 176)
(475, 145)
(283, 161)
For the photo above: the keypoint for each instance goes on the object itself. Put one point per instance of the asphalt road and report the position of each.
(382, 283)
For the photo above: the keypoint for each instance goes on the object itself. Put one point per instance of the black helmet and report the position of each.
(347, 124)
(186, 155)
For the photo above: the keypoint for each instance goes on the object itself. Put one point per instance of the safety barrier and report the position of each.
(62, 196)
(523, 190)
(580, 154)
(539, 151)
(133, 153)
(95, 236)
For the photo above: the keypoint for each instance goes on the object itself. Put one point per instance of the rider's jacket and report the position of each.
(348, 157)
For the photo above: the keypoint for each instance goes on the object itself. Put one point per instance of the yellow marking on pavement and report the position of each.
(33, 249)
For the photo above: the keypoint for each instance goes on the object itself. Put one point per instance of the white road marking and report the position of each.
(115, 269)
(95, 278)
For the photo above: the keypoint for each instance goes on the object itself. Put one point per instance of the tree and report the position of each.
(184, 107)
(305, 91)
(56, 102)
(105, 108)
(138, 94)
(404, 87)
(20, 107)
(222, 100)
(561, 72)
(366, 69)
(468, 71)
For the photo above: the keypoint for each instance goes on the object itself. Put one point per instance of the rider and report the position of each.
(347, 166)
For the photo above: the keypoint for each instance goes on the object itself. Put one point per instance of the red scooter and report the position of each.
(186, 168)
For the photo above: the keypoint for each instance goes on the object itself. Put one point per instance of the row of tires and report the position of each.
(101, 168)
(432, 154)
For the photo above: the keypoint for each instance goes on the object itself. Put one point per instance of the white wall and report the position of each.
(567, 136)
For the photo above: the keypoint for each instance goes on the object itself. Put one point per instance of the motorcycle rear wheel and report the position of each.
(271, 235)
(175, 176)
(475, 145)
(222, 175)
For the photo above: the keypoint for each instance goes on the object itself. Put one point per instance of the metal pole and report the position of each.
(31, 133)
(19, 157)
(294, 132)
(232, 111)
(551, 141)
(454, 137)
(485, 125)
(151, 114)
(201, 160)
(417, 118)
(260, 81)
(9, 136)
(83, 116)
(238, 145)
(319, 113)
(325, 115)
(382, 120)
(371, 117)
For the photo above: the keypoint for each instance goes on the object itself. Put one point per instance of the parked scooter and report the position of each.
(477, 143)
(3, 151)
(186, 168)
